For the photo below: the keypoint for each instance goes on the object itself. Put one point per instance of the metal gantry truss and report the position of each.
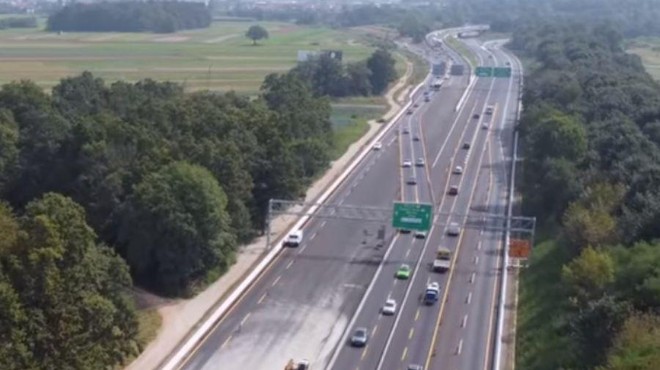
(519, 225)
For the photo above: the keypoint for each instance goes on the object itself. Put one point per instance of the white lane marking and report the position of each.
(472, 277)
(479, 245)
(322, 224)
(476, 260)
(464, 321)
(459, 348)
(312, 237)
(245, 318)
(469, 298)
(289, 265)
(276, 280)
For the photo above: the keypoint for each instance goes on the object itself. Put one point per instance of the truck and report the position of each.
(431, 294)
(442, 260)
(293, 239)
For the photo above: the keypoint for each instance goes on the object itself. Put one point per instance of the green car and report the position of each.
(403, 272)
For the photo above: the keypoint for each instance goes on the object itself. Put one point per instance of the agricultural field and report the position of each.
(648, 48)
(219, 58)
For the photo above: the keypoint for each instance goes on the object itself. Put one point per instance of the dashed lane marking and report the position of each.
(262, 298)
(276, 280)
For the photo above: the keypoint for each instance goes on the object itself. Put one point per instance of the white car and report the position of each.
(420, 235)
(458, 170)
(407, 163)
(378, 145)
(390, 307)
(484, 125)
(453, 229)
(420, 162)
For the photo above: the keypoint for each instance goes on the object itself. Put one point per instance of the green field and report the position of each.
(648, 48)
(217, 58)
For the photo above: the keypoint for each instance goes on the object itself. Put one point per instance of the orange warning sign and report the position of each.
(520, 248)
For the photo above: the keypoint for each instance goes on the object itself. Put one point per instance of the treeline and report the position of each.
(633, 18)
(172, 181)
(414, 22)
(18, 22)
(130, 16)
(327, 76)
(591, 142)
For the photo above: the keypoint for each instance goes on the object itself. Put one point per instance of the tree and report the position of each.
(9, 151)
(358, 76)
(589, 274)
(256, 33)
(637, 345)
(381, 64)
(175, 229)
(65, 294)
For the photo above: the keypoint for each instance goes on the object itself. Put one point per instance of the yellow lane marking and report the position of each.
(373, 332)
(417, 315)
(364, 353)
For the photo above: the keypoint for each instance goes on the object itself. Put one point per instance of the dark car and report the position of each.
(453, 190)
(360, 337)
(475, 116)
(466, 145)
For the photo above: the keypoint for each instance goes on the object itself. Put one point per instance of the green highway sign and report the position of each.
(483, 71)
(412, 216)
(502, 71)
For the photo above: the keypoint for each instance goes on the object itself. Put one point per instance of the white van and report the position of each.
(293, 239)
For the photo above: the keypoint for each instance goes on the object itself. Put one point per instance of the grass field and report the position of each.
(648, 48)
(217, 58)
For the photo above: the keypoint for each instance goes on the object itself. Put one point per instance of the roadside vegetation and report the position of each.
(591, 142)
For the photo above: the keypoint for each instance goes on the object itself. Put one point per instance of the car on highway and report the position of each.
(420, 235)
(360, 337)
(403, 272)
(458, 170)
(427, 99)
(416, 105)
(406, 130)
(484, 125)
(453, 229)
(507, 63)
(466, 145)
(293, 239)
(378, 145)
(490, 109)
(415, 138)
(426, 93)
(412, 180)
(415, 367)
(404, 231)
(453, 190)
(389, 308)
(476, 116)
(420, 162)
(406, 163)
(409, 112)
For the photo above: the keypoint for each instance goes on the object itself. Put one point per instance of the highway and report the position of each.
(408, 337)
(311, 298)
(301, 305)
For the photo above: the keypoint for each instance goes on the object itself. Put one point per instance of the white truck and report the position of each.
(442, 261)
(293, 239)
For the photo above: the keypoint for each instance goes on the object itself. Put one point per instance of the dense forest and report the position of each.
(130, 16)
(591, 142)
(105, 180)
(631, 17)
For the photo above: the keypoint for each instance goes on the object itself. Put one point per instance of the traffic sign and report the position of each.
(520, 248)
(412, 216)
(502, 71)
(483, 71)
